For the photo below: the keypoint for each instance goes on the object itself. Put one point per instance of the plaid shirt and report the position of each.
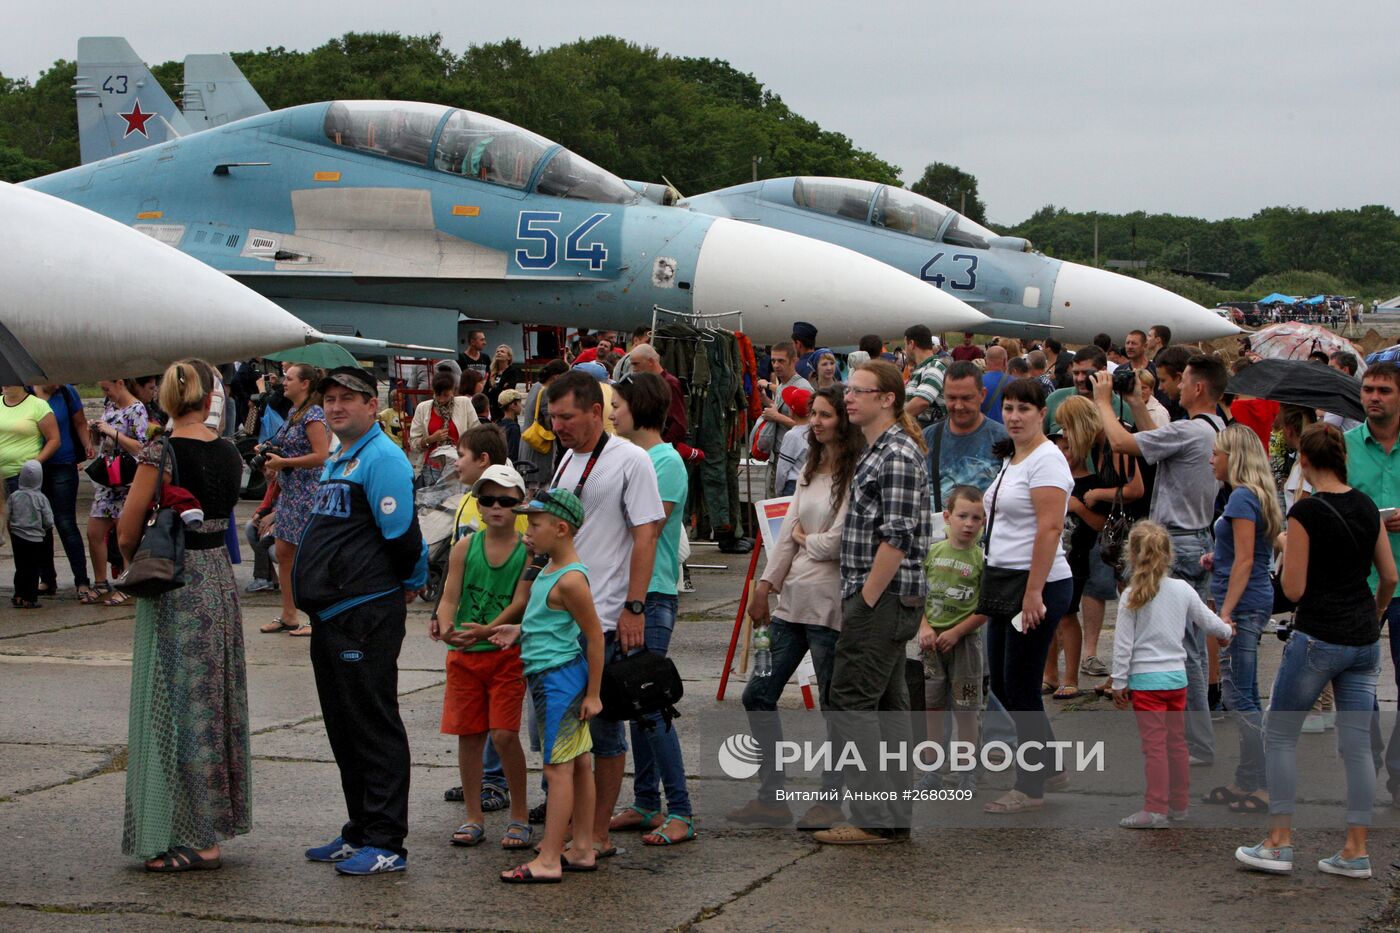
(889, 505)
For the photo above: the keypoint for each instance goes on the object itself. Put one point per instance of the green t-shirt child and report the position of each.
(486, 588)
(954, 583)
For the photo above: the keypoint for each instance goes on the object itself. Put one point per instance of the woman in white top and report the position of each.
(438, 422)
(805, 570)
(1025, 517)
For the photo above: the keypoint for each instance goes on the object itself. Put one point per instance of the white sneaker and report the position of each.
(1144, 819)
(1314, 724)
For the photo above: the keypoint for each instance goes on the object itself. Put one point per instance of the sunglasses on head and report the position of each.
(505, 502)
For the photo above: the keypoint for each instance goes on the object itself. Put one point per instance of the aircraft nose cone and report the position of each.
(88, 298)
(777, 278)
(1089, 301)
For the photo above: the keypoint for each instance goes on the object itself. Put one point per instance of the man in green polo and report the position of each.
(1373, 466)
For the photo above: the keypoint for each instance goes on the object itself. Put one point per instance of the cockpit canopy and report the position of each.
(891, 208)
(471, 145)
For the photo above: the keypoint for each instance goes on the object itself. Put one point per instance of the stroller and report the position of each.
(437, 516)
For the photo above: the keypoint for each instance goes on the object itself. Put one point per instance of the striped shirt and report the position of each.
(926, 382)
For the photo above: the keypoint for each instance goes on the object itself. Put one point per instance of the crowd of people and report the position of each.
(984, 503)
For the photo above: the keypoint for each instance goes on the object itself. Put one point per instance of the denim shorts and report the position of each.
(1101, 584)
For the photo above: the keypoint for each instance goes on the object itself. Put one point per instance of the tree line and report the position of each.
(700, 122)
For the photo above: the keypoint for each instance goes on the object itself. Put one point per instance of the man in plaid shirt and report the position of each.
(886, 536)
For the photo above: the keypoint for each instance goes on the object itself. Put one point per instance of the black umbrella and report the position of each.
(1300, 382)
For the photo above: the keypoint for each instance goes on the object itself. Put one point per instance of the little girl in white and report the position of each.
(1149, 670)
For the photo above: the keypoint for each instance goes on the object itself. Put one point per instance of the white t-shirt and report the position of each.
(1294, 485)
(1014, 529)
(620, 494)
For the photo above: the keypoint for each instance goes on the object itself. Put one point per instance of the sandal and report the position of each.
(645, 822)
(1047, 688)
(468, 834)
(517, 836)
(183, 858)
(1067, 692)
(1249, 803)
(119, 599)
(521, 874)
(1220, 796)
(275, 626)
(493, 798)
(301, 631)
(567, 865)
(1014, 802)
(658, 836)
(88, 596)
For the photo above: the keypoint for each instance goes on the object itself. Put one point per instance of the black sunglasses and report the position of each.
(505, 502)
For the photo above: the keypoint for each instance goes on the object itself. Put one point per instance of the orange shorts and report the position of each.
(485, 690)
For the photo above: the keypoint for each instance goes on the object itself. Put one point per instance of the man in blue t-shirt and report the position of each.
(960, 447)
(994, 381)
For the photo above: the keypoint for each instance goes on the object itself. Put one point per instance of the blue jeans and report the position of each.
(493, 773)
(1017, 661)
(1392, 749)
(1200, 735)
(656, 752)
(997, 724)
(790, 641)
(1309, 664)
(61, 489)
(1239, 682)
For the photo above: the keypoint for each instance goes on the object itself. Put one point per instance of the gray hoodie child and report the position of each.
(31, 516)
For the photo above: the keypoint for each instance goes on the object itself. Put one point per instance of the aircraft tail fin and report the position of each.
(216, 92)
(121, 106)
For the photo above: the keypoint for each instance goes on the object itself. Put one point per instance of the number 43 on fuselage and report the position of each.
(1023, 292)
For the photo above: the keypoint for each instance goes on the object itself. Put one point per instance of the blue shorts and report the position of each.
(609, 737)
(557, 695)
(1101, 584)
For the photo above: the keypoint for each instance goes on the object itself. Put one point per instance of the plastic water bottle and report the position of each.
(762, 652)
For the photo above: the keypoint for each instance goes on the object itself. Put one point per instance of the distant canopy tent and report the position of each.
(1277, 298)
(1315, 300)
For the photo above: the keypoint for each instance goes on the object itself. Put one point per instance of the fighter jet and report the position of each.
(388, 218)
(1023, 292)
(87, 298)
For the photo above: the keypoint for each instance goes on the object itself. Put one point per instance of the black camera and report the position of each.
(1125, 380)
(259, 460)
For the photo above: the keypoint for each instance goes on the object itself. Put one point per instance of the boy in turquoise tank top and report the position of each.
(564, 686)
(484, 587)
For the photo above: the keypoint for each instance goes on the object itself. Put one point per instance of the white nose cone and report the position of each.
(777, 278)
(88, 298)
(1089, 301)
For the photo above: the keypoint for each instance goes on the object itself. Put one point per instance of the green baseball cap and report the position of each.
(557, 502)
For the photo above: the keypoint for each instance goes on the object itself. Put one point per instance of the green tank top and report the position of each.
(487, 589)
(548, 636)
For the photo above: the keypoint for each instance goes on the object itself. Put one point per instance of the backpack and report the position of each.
(639, 684)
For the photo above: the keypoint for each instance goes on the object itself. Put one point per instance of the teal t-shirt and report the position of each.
(673, 484)
(954, 583)
(549, 637)
(1158, 680)
(1376, 473)
(1052, 404)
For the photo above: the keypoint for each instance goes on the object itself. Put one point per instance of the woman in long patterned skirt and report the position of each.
(189, 771)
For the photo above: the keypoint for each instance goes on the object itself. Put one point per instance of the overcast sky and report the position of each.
(1212, 109)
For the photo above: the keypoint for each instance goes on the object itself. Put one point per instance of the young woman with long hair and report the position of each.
(1244, 597)
(804, 570)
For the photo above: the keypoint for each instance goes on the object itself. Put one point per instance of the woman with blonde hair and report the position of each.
(1099, 477)
(189, 771)
(505, 374)
(1243, 594)
(1149, 670)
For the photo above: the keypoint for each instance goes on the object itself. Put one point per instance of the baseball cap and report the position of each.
(797, 400)
(507, 396)
(561, 503)
(501, 475)
(351, 377)
(596, 370)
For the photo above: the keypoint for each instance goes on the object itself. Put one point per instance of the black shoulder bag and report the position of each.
(1003, 589)
(1113, 537)
(158, 566)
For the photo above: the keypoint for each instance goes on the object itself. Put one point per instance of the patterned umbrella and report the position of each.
(1295, 341)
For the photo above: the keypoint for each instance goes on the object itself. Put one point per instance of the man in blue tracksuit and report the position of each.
(359, 558)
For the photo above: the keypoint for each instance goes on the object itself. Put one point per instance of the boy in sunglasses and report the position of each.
(486, 683)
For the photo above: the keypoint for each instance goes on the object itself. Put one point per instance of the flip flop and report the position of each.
(1220, 796)
(275, 627)
(301, 631)
(1046, 687)
(570, 866)
(521, 874)
(1014, 802)
(1066, 692)
(660, 832)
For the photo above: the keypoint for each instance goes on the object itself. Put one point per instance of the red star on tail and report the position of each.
(136, 121)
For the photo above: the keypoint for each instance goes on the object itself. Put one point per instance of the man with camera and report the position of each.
(1183, 501)
(1088, 361)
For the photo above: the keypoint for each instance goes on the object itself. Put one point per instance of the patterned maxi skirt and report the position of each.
(189, 770)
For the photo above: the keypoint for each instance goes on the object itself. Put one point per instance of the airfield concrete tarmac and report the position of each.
(64, 673)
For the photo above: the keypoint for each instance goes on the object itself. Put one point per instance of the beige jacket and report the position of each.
(808, 578)
(463, 416)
